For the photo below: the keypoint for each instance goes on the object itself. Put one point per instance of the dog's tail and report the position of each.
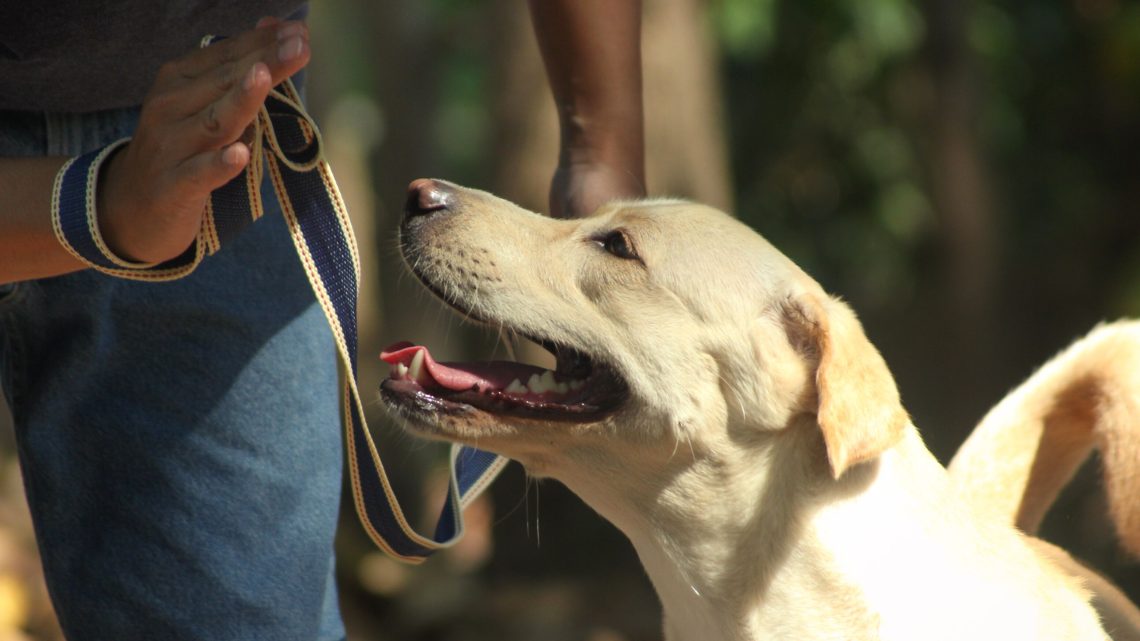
(1031, 444)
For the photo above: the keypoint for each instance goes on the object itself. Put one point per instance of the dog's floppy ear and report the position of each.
(859, 411)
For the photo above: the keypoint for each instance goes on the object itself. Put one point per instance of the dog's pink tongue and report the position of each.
(460, 376)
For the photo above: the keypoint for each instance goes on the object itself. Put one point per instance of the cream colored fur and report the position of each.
(763, 466)
(1028, 447)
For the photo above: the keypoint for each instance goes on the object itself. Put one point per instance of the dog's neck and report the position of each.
(743, 545)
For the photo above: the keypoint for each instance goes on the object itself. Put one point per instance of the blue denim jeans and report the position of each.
(179, 442)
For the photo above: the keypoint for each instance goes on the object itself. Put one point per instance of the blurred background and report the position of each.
(963, 173)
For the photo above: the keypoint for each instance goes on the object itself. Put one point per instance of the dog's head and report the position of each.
(671, 323)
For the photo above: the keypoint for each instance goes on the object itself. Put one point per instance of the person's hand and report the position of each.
(153, 192)
(579, 188)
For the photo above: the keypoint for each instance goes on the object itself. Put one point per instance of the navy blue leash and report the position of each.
(287, 142)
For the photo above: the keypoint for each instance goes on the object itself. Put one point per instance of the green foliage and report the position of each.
(832, 105)
(824, 163)
(463, 125)
(746, 27)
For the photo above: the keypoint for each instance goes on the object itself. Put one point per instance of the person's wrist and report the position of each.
(118, 225)
(586, 140)
(620, 157)
(107, 213)
(74, 211)
(580, 186)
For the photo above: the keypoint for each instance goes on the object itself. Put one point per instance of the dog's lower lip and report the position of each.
(415, 398)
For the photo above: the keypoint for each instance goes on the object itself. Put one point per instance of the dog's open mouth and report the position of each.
(578, 389)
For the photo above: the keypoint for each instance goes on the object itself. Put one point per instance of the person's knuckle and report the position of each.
(211, 121)
(216, 118)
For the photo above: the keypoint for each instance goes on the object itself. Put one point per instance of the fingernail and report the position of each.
(251, 76)
(290, 49)
(290, 29)
(234, 155)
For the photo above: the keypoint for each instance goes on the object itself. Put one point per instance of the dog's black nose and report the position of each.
(426, 195)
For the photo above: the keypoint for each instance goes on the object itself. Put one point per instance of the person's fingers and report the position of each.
(201, 61)
(205, 172)
(282, 47)
(216, 125)
(212, 110)
(222, 121)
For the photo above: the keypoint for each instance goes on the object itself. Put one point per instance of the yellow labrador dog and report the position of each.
(731, 418)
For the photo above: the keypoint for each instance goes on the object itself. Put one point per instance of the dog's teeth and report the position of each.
(543, 383)
(516, 387)
(535, 384)
(416, 368)
(401, 370)
(548, 383)
(576, 384)
(540, 384)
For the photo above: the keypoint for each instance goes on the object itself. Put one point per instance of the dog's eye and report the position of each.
(618, 244)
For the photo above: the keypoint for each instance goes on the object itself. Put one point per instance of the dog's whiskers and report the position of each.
(736, 393)
(530, 482)
(688, 438)
(508, 342)
(537, 515)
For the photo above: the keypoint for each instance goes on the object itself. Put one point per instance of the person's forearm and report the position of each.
(592, 52)
(28, 246)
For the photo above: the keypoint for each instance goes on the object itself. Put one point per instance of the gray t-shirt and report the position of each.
(86, 55)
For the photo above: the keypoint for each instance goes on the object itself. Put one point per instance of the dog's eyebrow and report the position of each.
(635, 221)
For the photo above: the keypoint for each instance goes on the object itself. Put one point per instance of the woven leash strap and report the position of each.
(288, 144)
